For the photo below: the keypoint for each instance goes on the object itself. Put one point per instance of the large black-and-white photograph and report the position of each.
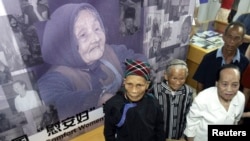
(20, 45)
(5, 73)
(130, 17)
(166, 33)
(50, 72)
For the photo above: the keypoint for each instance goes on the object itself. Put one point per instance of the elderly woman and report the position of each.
(175, 98)
(85, 71)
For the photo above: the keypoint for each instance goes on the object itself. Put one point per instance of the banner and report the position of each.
(61, 60)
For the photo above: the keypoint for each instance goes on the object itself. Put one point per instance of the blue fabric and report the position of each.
(203, 1)
(245, 19)
(124, 114)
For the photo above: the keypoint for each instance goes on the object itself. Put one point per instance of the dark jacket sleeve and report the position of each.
(112, 115)
(160, 124)
(109, 126)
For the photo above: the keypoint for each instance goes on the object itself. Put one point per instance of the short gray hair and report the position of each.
(176, 63)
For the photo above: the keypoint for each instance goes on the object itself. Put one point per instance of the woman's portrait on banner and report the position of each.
(85, 71)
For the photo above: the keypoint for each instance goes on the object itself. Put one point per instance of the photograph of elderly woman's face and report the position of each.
(76, 52)
(90, 36)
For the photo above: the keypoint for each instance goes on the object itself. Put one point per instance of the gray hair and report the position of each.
(176, 63)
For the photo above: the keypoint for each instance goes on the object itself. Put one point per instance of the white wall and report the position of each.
(244, 7)
(2, 9)
(209, 10)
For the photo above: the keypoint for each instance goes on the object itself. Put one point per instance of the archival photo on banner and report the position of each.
(61, 60)
(167, 26)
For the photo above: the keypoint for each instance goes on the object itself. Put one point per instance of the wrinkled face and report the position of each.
(228, 84)
(19, 89)
(135, 86)
(233, 38)
(176, 78)
(90, 36)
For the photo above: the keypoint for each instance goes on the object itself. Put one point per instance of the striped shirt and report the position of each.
(175, 106)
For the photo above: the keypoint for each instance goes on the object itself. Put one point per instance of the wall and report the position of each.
(208, 10)
(244, 7)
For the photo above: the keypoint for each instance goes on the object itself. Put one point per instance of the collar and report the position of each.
(214, 97)
(219, 54)
(167, 90)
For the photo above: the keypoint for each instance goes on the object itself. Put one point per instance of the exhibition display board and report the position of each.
(94, 135)
(63, 59)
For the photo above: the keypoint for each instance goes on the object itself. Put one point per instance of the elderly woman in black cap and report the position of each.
(133, 114)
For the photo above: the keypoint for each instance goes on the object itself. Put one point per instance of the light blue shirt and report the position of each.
(219, 54)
